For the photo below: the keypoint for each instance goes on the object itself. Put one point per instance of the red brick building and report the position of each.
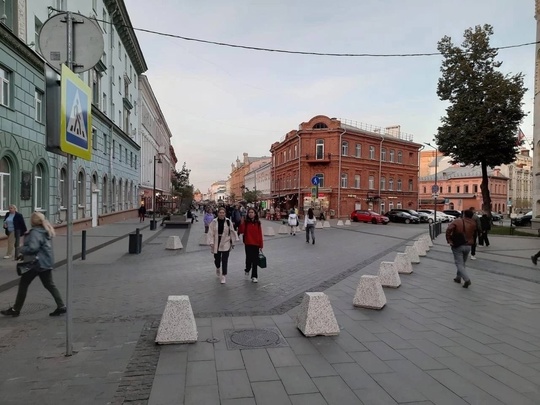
(358, 166)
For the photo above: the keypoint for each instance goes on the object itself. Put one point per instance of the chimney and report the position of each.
(246, 161)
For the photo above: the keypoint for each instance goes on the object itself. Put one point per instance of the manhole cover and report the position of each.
(261, 338)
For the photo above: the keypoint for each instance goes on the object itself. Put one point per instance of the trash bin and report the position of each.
(134, 244)
(153, 225)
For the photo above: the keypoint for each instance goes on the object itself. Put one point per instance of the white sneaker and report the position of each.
(7, 257)
(254, 280)
(473, 257)
(223, 280)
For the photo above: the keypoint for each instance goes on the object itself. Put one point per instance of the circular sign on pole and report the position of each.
(434, 188)
(88, 42)
(315, 181)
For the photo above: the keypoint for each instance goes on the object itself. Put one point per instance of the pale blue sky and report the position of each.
(220, 102)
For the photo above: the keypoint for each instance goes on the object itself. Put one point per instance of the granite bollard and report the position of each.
(369, 293)
(339, 223)
(419, 246)
(326, 224)
(177, 323)
(428, 239)
(283, 229)
(318, 225)
(348, 222)
(388, 275)
(316, 316)
(269, 231)
(412, 254)
(174, 243)
(403, 264)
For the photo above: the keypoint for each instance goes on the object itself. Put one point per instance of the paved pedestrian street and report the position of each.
(433, 343)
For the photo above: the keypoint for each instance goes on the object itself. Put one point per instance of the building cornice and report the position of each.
(10, 39)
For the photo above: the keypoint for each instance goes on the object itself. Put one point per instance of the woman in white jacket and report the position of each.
(309, 224)
(221, 237)
(293, 221)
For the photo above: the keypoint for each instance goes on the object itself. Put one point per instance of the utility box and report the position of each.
(135, 243)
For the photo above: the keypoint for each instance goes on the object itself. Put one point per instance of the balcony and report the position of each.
(312, 159)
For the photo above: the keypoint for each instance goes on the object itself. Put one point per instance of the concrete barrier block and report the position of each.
(283, 229)
(318, 225)
(174, 243)
(326, 224)
(369, 293)
(339, 223)
(424, 243)
(420, 248)
(388, 275)
(316, 316)
(403, 263)
(348, 222)
(412, 254)
(177, 322)
(427, 237)
(269, 231)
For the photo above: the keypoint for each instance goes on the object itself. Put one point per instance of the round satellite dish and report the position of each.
(88, 42)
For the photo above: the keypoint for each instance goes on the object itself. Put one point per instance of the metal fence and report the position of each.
(435, 230)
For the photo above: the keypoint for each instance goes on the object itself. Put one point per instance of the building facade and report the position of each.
(357, 167)
(218, 192)
(260, 180)
(520, 183)
(239, 169)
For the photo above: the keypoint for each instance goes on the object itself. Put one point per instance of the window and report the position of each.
(5, 184)
(4, 87)
(344, 148)
(383, 154)
(320, 125)
(411, 185)
(344, 180)
(104, 104)
(105, 198)
(119, 50)
(475, 188)
(94, 138)
(289, 152)
(38, 106)
(356, 181)
(319, 149)
(131, 159)
(466, 189)
(392, 155)
(37, 27)
(119, 85)
(383, 183)
(358, 150)
(63, 188)
(399, 157)
(114, 149)
(295, 151)
(449, 189)
(105, 144)
(321, 179)
(96, 87)
(61, 5)
(372, 152)
(94, 5)
(458, 188)
(391, 184)
(104, 18)
(119, 152)
(38, 188)
(399, 185)
(81, 190)
(425, 190)
(371, 183)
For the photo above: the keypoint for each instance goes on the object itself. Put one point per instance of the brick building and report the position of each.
(239, 169)
(358, 166)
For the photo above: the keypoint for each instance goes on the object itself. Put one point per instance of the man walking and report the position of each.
(460, 235)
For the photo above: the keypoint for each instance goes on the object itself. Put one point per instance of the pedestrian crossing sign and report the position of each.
(76, 116)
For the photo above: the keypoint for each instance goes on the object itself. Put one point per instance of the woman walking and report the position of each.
(293, 221)
(309, 224)
(253, 242)
(38, 243)
(208, 218)
(221, 237)
(14, 227)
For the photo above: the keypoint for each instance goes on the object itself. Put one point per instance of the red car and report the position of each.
(368, 216)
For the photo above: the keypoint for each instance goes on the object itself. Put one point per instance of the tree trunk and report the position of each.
(484, 187)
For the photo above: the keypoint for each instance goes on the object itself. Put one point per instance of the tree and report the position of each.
(181, 186)
(252, 196)
(485, 111)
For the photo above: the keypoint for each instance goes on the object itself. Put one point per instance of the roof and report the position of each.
(463, 172)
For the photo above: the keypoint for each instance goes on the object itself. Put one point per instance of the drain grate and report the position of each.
(261, 338)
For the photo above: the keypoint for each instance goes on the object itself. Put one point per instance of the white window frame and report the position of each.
(344, 148)
(5, 185)
(383, 155)
(372, 152)
(399, 185)
(383, 183)
(399, 157)
(392, 155)
(62, 188)
(391, 184)
(321, 179)
(38, 106)
(358, 150)
(4, 86)
(81, 189)
(371, 182)
(319, 145)
(356, 181)
(344, 180)
(38, 188)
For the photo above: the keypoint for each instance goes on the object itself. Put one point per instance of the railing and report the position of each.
(377, 130)
(435, 230)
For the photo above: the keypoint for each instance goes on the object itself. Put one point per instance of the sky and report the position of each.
(220, 102)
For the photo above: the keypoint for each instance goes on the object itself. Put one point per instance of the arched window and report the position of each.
(392, 155)
(114, 196)
(372, 152)
(344, 180)
(319, 149)
(358, 150)
(399, 185)
(383, 154)
(5, 184)
(81, 190)
(371, 183)
(120, 197)
(63, 188)
(105, 196)
(391, 184)
(320, 125)
(38, 188)
(400, 157)
(344, 148)
(383, 183)
(411, 185)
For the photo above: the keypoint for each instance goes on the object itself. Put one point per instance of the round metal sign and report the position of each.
(88, 42)
(435, 188)
(315, 180)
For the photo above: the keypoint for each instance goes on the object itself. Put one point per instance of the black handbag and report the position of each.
(262, 260)
(27, 265)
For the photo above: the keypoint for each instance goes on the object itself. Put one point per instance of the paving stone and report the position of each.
(283, 357)
(302, 345)
(201, 351)
(331, 351)
(296, 380)
(455, 383)
(201, 373)
(348, 342)
(258, 365)
(167, 389)
(316, 366)
(370, 363)
(270, 393)
(519, 355)
(522, 370)
(431, 349)
(335, 391)
(469, 356)
(234, 384)
(399, 388)
(354, 376)
(383, 351)
(202, 395)
(510, 379)
(229, 360)
(420, 359)
(375, 396)
(307, 399)
(238, 401)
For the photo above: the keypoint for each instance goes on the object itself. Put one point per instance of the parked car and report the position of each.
(368, 216)
(497, 217)
(421, 216)
(454, 213)
(445, 217)
(402, 216)
(523, 220)
(431, 215)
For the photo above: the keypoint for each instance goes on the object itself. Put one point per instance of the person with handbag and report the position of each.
(38, 244)
(221, 238)
(251, 228)
(460, 235)
(293, 221)
(309, 224)
(14, 228)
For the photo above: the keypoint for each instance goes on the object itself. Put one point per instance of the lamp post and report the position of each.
(153, 225)
(435, 187)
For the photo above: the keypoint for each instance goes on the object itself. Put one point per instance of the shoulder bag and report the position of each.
(262, 260)
(29, 263)
(459, 238)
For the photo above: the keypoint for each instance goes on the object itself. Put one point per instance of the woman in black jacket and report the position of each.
(14, 227)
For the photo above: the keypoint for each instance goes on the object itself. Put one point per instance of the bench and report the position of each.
(175, 223)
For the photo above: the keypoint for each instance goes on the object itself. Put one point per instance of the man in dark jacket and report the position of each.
(466, 226)
(485, 221)
(14, 227)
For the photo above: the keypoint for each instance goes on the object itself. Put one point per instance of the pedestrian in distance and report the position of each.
(208, 218)
(485, 222)
(309, 224)
(293, 221)
(251, 228)
(38, 244)
(477, 235)
(14, 227)
(221, 238)
(236, 216)
(142, 213)
(460, 236)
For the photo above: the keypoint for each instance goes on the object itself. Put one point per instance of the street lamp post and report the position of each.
(153, 225)
(435, 194)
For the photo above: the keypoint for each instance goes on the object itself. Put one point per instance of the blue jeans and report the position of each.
(310, 230)
(460, 258)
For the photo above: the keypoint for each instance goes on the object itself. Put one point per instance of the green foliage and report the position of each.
(485, 110)
(181, 186)
(252, 196)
